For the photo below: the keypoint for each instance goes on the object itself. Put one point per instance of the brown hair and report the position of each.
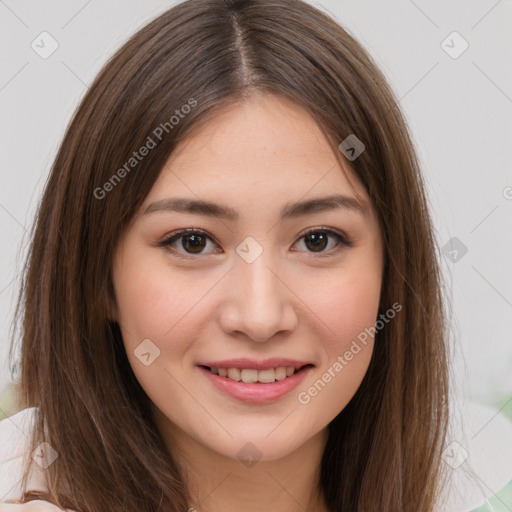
(383, 450)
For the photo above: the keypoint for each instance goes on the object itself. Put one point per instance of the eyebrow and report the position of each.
(289, 211)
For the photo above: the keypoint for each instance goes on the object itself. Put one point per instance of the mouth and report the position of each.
(255, 382)
(252, 375)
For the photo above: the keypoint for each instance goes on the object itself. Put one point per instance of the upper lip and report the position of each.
(254, 364)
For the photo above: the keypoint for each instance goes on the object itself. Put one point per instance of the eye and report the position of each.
(317, 240)
(193, 241)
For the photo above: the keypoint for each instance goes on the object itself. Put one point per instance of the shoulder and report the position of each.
(15, 437)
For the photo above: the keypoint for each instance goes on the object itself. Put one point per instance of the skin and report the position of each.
(290, 302)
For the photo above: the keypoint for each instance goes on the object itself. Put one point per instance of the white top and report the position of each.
(14, 444)
(488, 447)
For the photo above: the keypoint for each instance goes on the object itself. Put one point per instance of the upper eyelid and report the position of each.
(186, 231)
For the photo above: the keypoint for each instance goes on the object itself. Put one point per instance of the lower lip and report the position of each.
(256, 392)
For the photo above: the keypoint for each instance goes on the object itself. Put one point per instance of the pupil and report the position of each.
(196, 243)
(318, 240)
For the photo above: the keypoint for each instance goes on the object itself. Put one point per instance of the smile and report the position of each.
(261, 385)
(249, 375)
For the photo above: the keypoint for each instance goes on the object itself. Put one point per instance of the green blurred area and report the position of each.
(500, 502)
(505, 406)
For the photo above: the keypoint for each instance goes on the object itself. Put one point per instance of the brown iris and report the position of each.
(317, 240)
(193, 243)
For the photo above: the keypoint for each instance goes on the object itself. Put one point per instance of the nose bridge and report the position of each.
(260, 304)
(261, 283)
(253, 264)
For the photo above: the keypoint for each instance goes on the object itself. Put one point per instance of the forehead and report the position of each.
(267, 147)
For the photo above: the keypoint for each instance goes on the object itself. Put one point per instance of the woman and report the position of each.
(232, 299)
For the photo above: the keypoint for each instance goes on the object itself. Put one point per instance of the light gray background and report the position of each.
(459, 111)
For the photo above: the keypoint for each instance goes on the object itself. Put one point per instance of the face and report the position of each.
(266, 286)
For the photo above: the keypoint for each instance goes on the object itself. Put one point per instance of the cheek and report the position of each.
(348, 309)
(346, 353)
(158, 316)
(348, 305)
(166, 307)
(153, 301)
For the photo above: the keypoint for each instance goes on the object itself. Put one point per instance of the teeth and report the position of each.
(267, 375)
(234, 373)
(280, 373)
(250, 376)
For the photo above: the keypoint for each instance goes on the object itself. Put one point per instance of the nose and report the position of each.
(259, 303)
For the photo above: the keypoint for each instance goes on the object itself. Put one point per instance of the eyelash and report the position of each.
(166, 243)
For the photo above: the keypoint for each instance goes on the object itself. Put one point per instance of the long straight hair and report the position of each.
(198, 58)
